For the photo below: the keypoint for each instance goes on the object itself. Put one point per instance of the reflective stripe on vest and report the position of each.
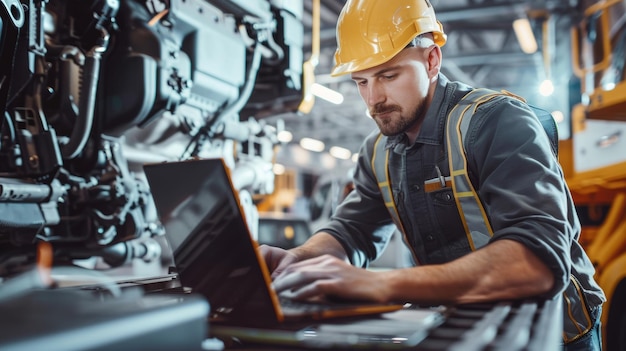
(380, 166)
(472, 213)
(577, 321)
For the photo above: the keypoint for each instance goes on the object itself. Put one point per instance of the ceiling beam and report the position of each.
(464, 13)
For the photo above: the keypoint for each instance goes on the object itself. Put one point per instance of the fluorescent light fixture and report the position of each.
(340, 153)
(546, 88)
(284, 136)
(327, 94)
(525, 36)
(355, 157)
(312, 144)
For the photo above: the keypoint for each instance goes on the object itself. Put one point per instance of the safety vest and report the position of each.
(470, 208)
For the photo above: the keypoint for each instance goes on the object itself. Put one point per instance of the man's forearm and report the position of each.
(319, 244)
(504, 269)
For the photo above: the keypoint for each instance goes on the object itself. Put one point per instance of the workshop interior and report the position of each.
(96, 92)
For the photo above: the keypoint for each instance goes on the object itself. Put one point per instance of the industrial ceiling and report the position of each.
(482, 50)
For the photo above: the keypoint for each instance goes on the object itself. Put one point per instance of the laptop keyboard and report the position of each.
(312, 307)
(304, 306)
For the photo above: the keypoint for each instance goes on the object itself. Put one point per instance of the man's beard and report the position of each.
(393, 127)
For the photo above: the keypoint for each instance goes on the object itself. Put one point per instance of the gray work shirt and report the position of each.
(513, 169)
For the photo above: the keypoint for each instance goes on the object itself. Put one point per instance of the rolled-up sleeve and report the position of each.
(361, 222)
(521, 184)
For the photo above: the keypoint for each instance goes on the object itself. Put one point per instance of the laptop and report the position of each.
(215, 254)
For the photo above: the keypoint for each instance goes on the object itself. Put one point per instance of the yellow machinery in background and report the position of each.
(284, 196)
(594, 158)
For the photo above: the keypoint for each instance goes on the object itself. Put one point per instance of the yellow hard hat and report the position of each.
(371, 32)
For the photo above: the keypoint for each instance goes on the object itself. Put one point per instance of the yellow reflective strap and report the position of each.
(471, 211)
(380, 167)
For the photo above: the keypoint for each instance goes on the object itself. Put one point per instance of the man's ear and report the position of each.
(434, 61)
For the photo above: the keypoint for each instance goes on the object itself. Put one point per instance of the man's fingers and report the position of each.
(276, 259)
(304, 278)
(301, 285)
(321, 261)
(280, 269)
(305, 292)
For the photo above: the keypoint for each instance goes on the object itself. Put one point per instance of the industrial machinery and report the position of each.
(91, 90)
(594, 160)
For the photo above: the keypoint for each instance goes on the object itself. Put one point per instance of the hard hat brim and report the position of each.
(376, 59)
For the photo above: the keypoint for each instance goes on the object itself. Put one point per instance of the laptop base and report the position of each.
(393, 330)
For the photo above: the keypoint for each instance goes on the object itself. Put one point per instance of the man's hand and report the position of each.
(276, 258)
(321, 243)
(327, 277)
(504, 269)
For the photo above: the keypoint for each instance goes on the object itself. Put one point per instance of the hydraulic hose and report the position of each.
(86, 108)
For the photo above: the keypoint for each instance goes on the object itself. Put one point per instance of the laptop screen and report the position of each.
(212, 247)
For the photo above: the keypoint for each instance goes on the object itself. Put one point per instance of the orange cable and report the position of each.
(44, 262)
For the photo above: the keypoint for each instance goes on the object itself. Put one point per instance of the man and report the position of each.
(392, 51)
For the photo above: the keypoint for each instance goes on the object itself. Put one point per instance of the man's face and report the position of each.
(396, 92)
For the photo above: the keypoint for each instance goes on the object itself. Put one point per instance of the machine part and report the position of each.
(89, 82)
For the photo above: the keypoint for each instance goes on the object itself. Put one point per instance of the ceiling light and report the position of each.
(546, 88)
(525, 36)
(284, 136)
(340, 152)
(312, 144)
(327, 94)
